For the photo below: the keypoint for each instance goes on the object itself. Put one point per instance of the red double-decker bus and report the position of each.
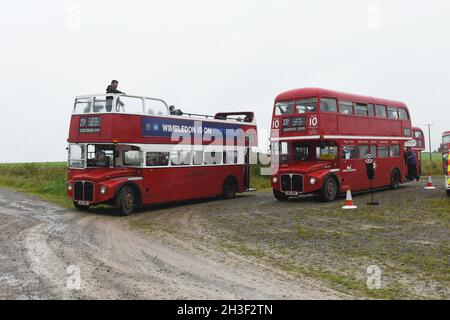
(445, 148)
(131, 151)
(320, 139)
(418, 147)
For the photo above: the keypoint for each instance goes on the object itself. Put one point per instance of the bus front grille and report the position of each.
(83, 191)
(292, 182)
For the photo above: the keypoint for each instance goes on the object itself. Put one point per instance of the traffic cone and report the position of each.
(429, 185)
(349, 201)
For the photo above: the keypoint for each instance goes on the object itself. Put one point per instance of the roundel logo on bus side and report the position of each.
(368, 158)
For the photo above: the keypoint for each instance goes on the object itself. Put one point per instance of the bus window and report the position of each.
(100, 155)
(301, 151)
(403, 114)
(132, 158)
(306, 105)
(371, 110)
(157, 159)
(346, 107)
(361, 109)
(392, 113)
(82, 105)
(407, 132)
(284, 150)
(76, 156)
(373, 150)
(213, 157)
(328, 105)
(383, 151)
(230, 157)
(348, 153)
(326, 152)
(418, 134)
(394, 151)
(130, 105)
(380, 111)
(363, 151)
(198, 158)
(282, 108)
(180, 158)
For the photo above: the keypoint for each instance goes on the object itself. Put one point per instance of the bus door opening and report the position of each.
(247, 165)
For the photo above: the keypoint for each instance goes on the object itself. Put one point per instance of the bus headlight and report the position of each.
(103, 190)
(312, 181)
(275, 180)
(69, 187)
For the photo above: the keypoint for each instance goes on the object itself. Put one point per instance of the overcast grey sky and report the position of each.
(206, 56)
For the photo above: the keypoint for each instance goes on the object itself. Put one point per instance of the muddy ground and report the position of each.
(251, 247)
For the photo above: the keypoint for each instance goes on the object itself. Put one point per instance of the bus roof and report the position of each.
(318, 92)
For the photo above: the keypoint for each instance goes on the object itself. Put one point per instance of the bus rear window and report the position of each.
(403, 114)
(282, 108)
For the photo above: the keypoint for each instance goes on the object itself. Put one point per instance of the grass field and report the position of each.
(48, 180)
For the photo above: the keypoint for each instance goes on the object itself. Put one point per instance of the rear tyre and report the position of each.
(448, 193)
(280, 196)
(80, 207)
(395, 180)
(229, 188)
(125, 201)
(329, 191)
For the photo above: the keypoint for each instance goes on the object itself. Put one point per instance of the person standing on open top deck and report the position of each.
(411, 162)
(112, 88)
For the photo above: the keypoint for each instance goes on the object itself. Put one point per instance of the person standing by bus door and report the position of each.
(411, 162)
(112, 88)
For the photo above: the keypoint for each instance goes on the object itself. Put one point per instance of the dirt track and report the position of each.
(39, 241)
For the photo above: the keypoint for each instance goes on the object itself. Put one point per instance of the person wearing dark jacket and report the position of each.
(112, 88)
(411, 162)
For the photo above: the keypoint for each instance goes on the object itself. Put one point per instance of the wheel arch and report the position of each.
(136, 189)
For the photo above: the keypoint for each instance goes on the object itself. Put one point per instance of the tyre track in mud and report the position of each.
(40, 240)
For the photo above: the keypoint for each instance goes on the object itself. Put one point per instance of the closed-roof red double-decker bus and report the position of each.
(445, 148)
(131, 151)
(320, 139)
(418, 147)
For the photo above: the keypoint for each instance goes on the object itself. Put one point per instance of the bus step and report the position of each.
(250, 190)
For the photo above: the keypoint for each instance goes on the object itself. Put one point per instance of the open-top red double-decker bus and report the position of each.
(321, 138)
(131, 151)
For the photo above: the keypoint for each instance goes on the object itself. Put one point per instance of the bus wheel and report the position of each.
(229, 188)
(280, 196)
(125, 201)
(448, 193)
(395, 180)
(329, 190)
(80, 207)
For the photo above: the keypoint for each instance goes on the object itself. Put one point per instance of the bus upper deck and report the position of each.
(138, 119)
(325, 113)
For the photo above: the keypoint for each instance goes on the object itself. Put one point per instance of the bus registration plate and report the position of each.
(291, 193)
(83, 203)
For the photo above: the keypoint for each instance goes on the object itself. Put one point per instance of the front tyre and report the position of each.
(280, 196)
(229, 188)
(80, 207)
(125, 201)
(329, 191)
